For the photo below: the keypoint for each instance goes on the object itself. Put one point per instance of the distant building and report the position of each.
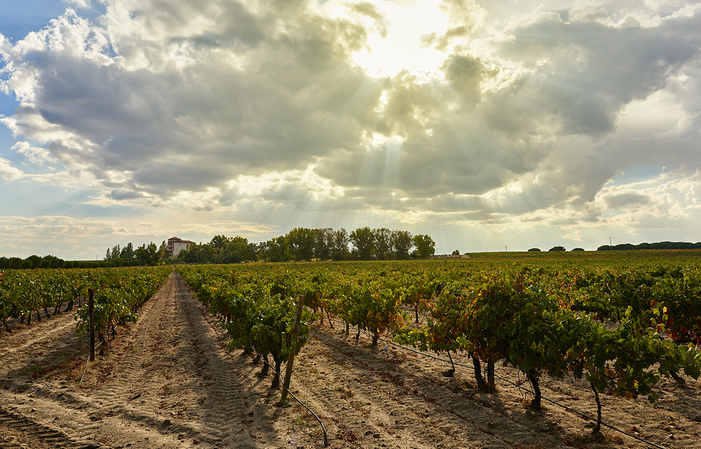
(175, 245)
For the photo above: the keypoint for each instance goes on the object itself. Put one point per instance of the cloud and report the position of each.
(8, 172)
(124, 195)
(79, 238)
(20, 236)
(35, 155)
(589, 71)
(623, 200)
(528, 111)
(84, 4)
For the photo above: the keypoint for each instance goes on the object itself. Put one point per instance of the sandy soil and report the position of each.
(169, 381)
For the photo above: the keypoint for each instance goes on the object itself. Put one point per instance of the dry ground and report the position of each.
(170, 381)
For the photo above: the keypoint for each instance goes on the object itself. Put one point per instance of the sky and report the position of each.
(488, 125)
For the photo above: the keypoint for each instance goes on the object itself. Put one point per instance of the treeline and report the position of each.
(146, 254)
(630, 246)
(34, 261)
(303, 244)
(658, 245)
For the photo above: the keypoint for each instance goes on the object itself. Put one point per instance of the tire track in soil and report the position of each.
(165, 381)
(169, 381)
(502, 416)
(17, 431)
(174, 377)
(37, 333)
(680, 421)
(28, 350)
(408, 403)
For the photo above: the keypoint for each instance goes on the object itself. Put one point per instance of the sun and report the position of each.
(401, 44)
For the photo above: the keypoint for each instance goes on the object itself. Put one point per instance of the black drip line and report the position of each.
(113, 332)
(282, 384)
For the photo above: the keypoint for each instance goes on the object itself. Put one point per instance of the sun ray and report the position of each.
(397, 38)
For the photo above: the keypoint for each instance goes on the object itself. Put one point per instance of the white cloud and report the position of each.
(80, 238)
(8, 172)
(84, 4)
(528, 109)
(668, 201)
(35, 155)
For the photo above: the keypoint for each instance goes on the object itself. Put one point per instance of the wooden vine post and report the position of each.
(290, 360)
(91, 311)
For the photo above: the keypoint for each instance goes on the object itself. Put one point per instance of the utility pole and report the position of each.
(610, 245)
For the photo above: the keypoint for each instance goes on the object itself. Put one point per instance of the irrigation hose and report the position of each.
(518, 386)
(323, 429)
(88, 361)
(85, 370)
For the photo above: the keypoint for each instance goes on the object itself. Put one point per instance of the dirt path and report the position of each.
(170, 381)
(166, 381)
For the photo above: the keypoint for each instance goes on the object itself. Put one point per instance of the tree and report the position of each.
(301, 243)
(36, 261)
(52, 262)
(536, 250)
(339, 247)
(425, 246)
(147, 254)
(363, 242)
(163, 253)
(189, 255)
(323, 243)
(236, 250)
(401, 244)
(276, 249)
(624, 247)
(127, 252)
(557, 248)
(218, 241)
(197, 253)
(256, 250)
(382, 240)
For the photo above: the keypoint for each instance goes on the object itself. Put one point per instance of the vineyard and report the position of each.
(621, 328)
(24, 294)
(578, 350)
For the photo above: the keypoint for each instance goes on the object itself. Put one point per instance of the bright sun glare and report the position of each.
(402, 48)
